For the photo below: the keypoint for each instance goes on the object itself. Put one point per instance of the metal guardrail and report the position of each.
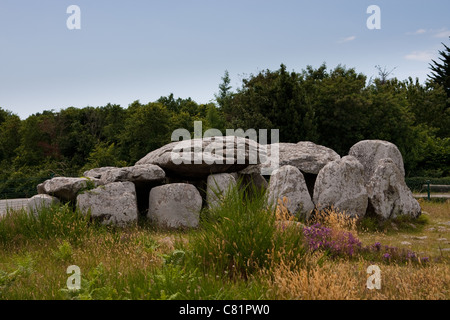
(435, 187)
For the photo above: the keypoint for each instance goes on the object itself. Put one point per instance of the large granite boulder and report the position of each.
(176, 205)
(288, 182)
(139, 173)
(305, 156)
(114, 203)
(369, 152)
(66, 188)
(39, 201)
(97, 172)
(198, 158)
(217, 186)
(340, 184)
(389, 195)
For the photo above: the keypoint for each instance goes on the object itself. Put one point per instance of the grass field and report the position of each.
(240, 251)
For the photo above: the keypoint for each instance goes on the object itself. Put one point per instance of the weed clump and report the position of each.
(241, 236)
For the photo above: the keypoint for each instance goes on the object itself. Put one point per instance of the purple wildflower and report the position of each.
(377, 246)
(337, 242)
(410, 255)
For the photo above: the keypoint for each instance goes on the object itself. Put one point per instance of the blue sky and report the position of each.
(141, 50)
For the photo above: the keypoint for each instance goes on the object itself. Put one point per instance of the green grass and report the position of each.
(241, 237)
(58, 221)
(400, 224)
(240, 251)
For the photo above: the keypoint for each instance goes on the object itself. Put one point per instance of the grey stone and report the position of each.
(39, 201)
(304, 155)
(389, 195)
(198, 158)
(217, 187)
(97, 172)
(340, 184)
(138, 173)
(369, 152)
(114, 203)
(254, 180)
(176, 205)
(288, 182)
(66, 188)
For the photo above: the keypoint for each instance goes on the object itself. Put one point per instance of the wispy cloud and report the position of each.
(422, 56)
(436, 33)
(442, 33)
(348, 39)
(417, 32)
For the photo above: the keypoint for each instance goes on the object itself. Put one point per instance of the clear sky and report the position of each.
(143, 49)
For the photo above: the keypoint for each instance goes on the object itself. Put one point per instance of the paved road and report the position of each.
(12, 203)
(424, 195)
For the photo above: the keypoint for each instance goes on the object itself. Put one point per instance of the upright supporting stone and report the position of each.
(389, 195)
(176, 205)
(369, 152)
(39, 201)
(340, 184)
(217, 187)
(114, 203)
(288, 182)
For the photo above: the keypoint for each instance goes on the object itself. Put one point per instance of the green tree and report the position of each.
(9, 137)
(30, 151)
(4, 114)
(114, 123)
(76, 140)
(214, 118)
(147, 128)
(440, 72)
(103, 155)
(390, 118)
(428, 102)
(339, 106)
(273, 100)
(224, 96)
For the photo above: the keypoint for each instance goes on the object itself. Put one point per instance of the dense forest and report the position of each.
(332, 107)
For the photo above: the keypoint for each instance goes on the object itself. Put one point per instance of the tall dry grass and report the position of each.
(343, 280)
(337, 220)
(242, 251)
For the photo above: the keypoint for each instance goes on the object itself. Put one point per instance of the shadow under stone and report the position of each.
(310, 180)
(142, 195)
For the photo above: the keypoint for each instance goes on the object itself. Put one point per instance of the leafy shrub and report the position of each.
(64, 251)
(24, 267)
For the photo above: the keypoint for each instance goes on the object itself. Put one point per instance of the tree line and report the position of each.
(332, 107)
